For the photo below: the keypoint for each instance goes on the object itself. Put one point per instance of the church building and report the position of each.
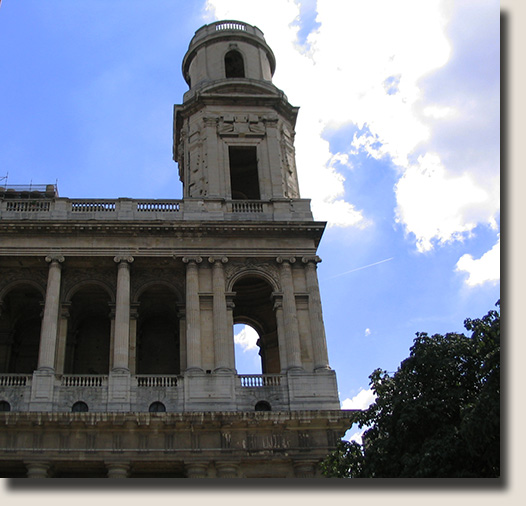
(117, 315)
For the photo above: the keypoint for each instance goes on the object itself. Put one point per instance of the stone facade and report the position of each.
(116, 322)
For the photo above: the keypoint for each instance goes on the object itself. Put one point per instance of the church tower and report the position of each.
(129, 369)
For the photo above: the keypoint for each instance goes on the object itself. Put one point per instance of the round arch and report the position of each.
(13, 285)
(154, 283)
(86, 283)
(255, 273)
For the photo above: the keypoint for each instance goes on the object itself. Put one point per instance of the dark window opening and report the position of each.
(20, 330)
(5, 406)
(158, 346)
(157, 407)
(244, 181)
(79, 407)
(262, 406)
(89, 329)
(234, 66)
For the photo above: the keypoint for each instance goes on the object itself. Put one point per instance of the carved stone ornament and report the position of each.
(242, 125)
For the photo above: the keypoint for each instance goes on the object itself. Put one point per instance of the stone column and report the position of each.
(193, 315)
(223, 338)
(48, 333)
(62, 338)
(134, 315)
(122, 315)
(181, 314)
(290, 317)
(278, 309)
(319, 341)
(117, 469)
(37, 469)
(304, 469)
(230, 305)
(196, 469)
(227, 469)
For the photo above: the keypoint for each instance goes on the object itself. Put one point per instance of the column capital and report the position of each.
(218, 260)
(55, 259)
(315, 259)
(192, 260)
(284, 261)
(126, 259)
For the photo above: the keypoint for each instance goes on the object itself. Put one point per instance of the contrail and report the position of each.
(360, 268)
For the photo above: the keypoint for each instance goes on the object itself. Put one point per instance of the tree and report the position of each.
(438, 415)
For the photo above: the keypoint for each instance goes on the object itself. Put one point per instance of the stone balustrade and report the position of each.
(124, 209)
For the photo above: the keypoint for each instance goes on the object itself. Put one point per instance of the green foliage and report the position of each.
(437, 416)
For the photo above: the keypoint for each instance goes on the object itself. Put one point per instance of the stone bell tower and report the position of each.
(129, 371)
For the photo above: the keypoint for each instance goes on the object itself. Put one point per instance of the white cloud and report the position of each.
(367, 332)
(362, 400)
(436, 205)
(482, 270)
(246, 338)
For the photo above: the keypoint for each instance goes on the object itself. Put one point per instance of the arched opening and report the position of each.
(157, 407)
(158, 332)
(20, 323)
(262, 406)
(79, 407)
(234, 65)
(89, 328)
(253, 306)
(5, 406)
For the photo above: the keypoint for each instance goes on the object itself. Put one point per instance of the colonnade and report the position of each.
(285, 309)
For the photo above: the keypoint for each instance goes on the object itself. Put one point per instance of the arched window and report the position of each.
(157, 407)
(5, 406)
(262, 406)
(253, 306)
(79, 407)
(234, 65)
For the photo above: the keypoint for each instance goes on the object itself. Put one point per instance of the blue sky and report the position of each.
(397, 142)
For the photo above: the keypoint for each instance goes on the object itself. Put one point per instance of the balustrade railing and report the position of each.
(82, 380)
(24, 206)
(247, 206)
(150, 380)
(231, 25)
(155, 206)
(92, 206)
(15, 380)
(260, 380)
(129, 209)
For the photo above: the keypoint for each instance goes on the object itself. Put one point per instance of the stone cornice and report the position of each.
(187, 229)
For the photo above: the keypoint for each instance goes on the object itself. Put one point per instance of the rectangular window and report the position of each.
(244, 181)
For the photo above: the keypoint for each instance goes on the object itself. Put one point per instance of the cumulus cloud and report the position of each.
(362, 400)
(482, 270)
(436, 205)
(246, 338)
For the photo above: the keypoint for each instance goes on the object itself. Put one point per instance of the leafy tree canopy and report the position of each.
(437, 416)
